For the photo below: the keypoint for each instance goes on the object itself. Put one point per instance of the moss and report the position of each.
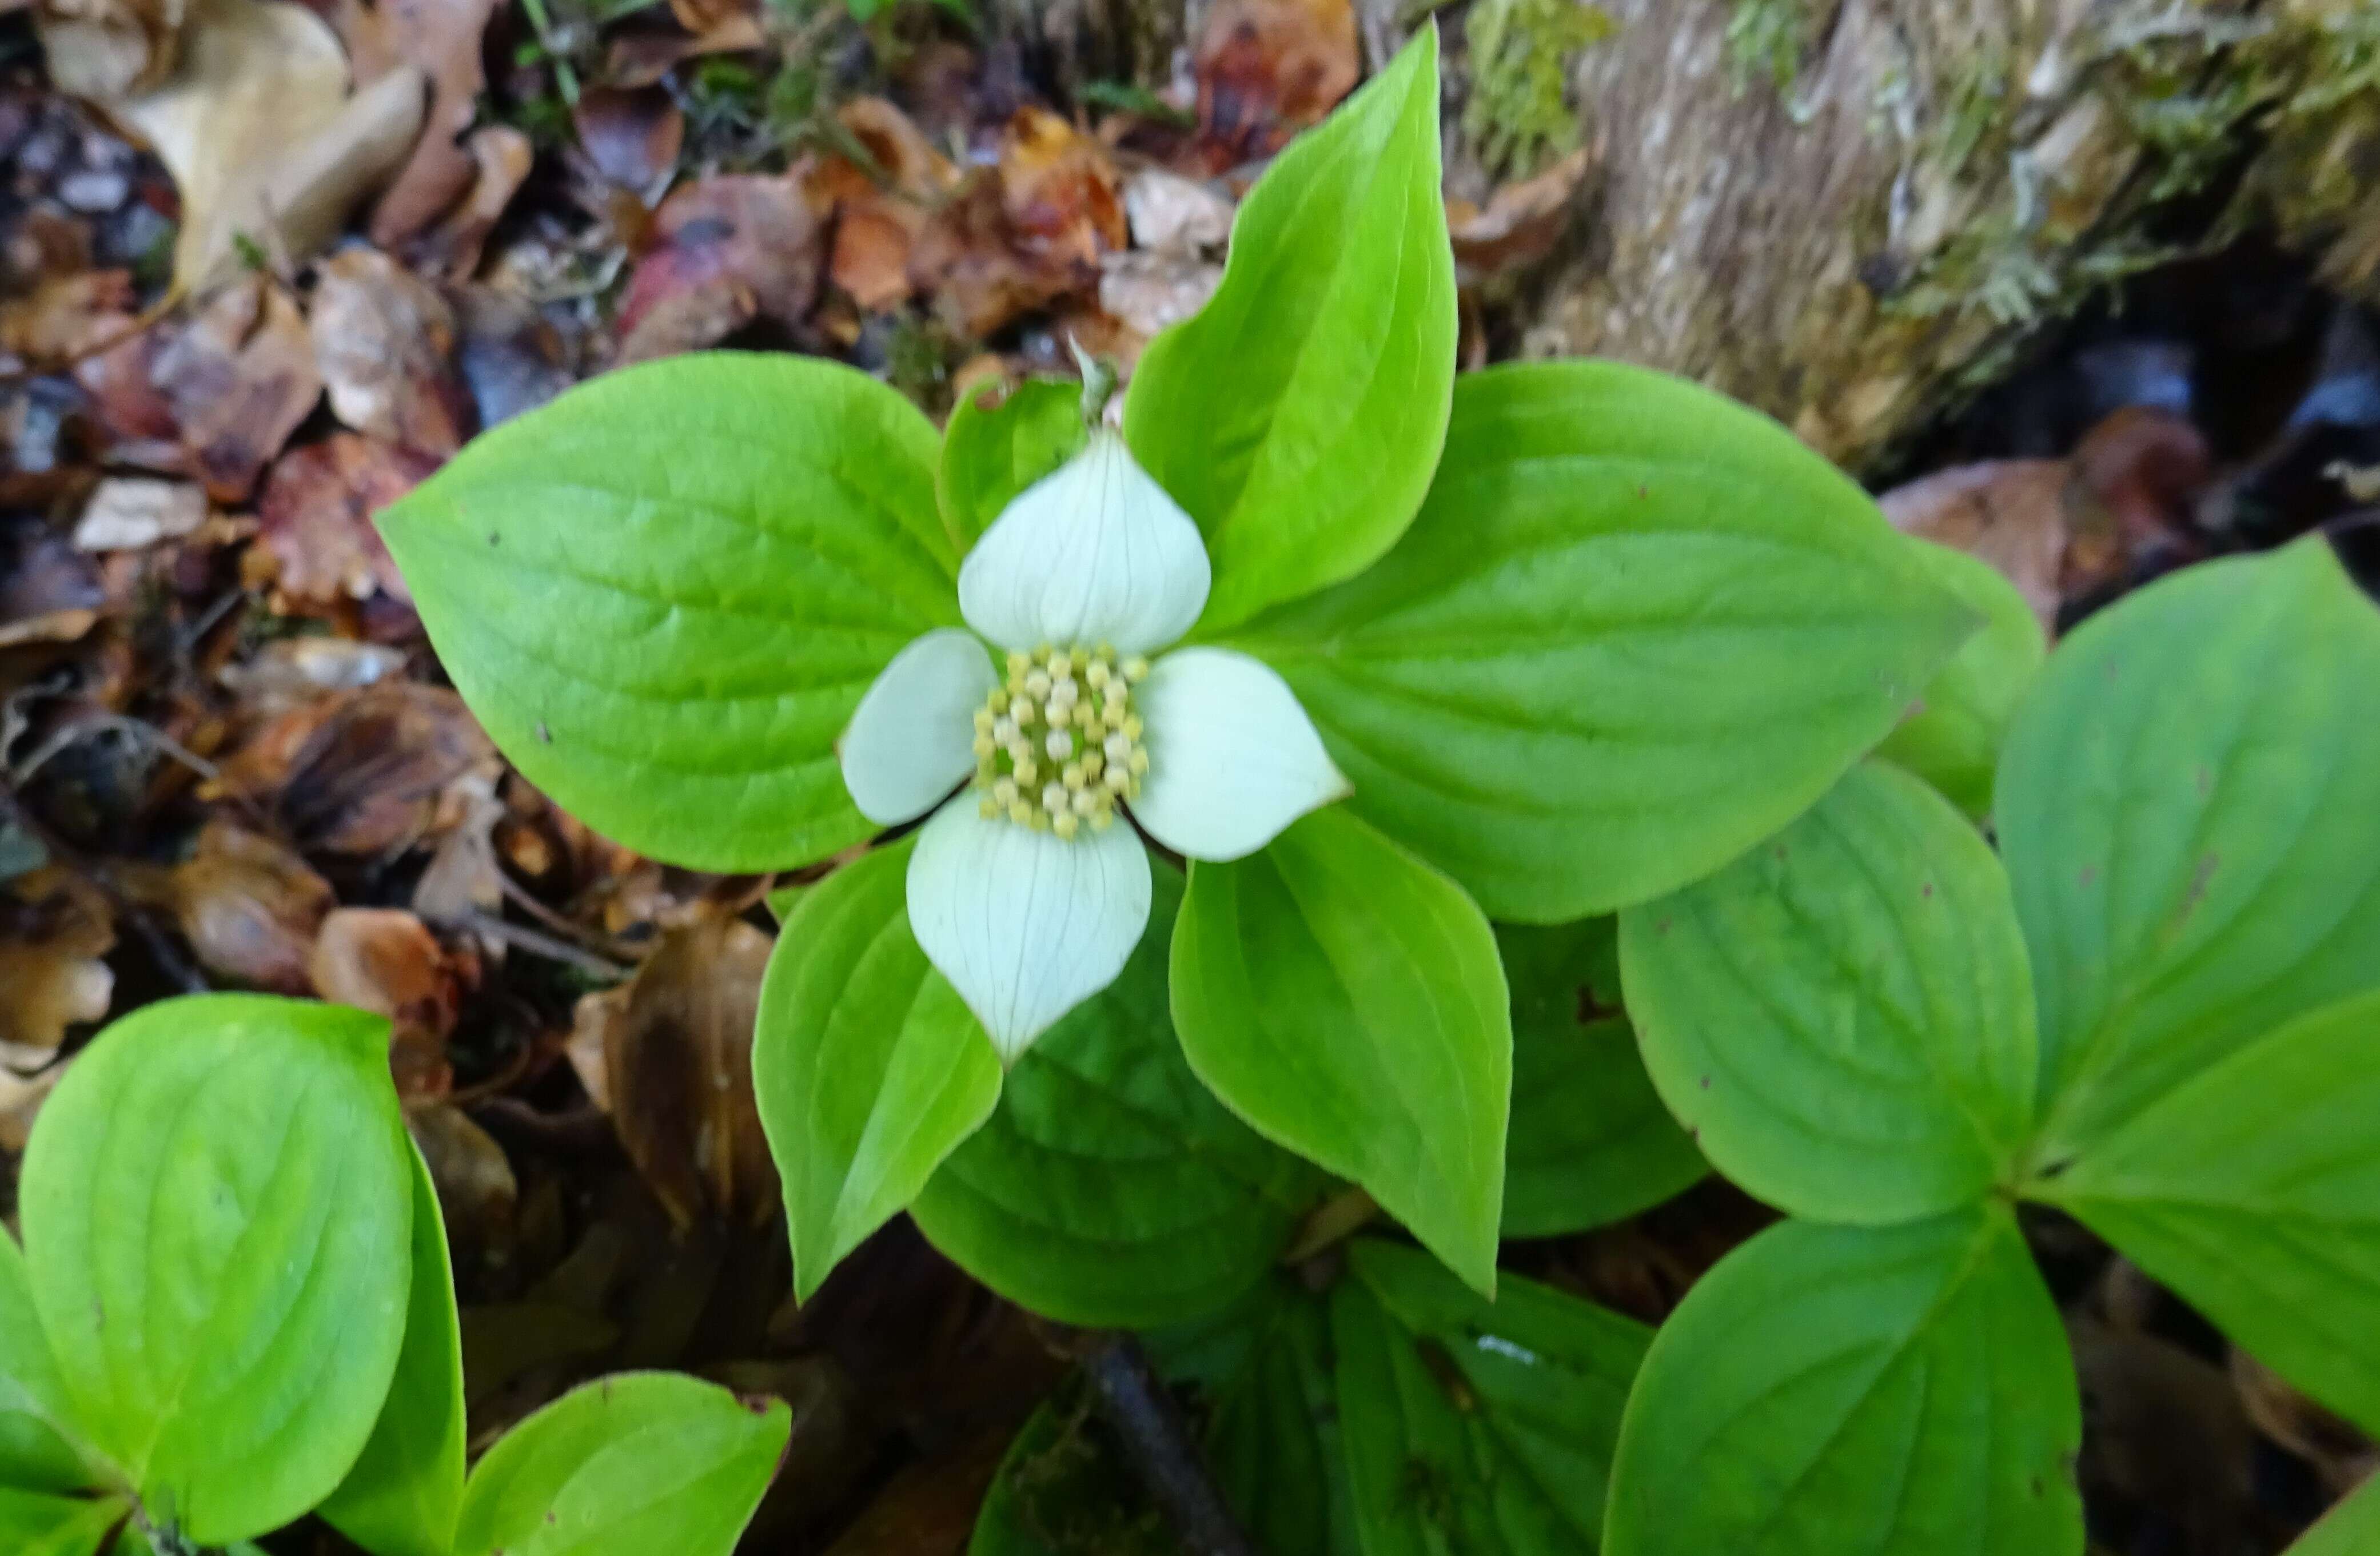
(1519, 116)
(1768, 38)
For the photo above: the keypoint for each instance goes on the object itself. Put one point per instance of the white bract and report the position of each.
(1025, 890)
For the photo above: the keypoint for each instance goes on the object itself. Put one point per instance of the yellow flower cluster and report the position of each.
(1058, 746)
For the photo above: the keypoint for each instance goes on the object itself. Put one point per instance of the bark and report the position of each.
(1855, 228)
(1854, 213)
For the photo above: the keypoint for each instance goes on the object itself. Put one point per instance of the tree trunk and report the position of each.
(1850, 213)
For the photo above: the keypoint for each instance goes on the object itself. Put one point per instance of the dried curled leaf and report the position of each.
(677, 1042)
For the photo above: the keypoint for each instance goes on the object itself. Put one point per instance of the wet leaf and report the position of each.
(386, 961)
(128, 512)
(725, 250)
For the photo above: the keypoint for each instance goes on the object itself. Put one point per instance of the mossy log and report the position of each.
(1851, 212)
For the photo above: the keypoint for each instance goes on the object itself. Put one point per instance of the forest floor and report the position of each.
(231, 759)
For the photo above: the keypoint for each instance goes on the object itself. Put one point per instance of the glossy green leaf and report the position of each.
(664, 592)
(402, 1497)
(2351, 1529)
(1635, 629)
(2190, 810)
(1346, 1000)
(1953, 739)
(231, 1344)
(1265, 1381)
(1000, 439)
(2252, 1189)
(1843, 1017)
(626, 1465)
(868, 1067)
(1590, 1141)
(1109, 1189)
(37, 1433)
(41, 1524)
(1828, 1390)
(1298, 415)
(1471, 1426)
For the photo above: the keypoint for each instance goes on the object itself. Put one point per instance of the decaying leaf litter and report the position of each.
(267, 265)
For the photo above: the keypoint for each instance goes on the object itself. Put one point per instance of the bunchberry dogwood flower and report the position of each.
(1029, 887)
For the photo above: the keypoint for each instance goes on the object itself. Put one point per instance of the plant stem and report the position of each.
(1134, 1402)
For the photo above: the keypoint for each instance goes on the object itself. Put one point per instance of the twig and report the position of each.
(1157, 1440)
(539, 943)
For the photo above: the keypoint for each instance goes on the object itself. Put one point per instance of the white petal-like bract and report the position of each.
(1233, 758)
(1093, 552)
(1025, 924)
(913, 735)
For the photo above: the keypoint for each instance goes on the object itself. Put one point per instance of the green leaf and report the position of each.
(2252, 1188)
(38, 1524)
(1298, 415)
(2190, 810)
(1635, 629)
(403, 1495)
(1843, 1017)
(1590, 1142)
(1894, 1391)
(1953, 740)
(1109, 1189)
(2351, 1529)
(1000, 441)
(1345, 999)
(1473, 1427)
(229, 1345)
(664, 592)
(1266, 1383)
(37, 1434)
(868, 1067)
(625, 1466)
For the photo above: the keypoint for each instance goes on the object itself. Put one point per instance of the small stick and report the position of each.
(1157, 1440)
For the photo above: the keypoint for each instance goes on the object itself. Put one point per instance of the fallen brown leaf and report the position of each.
(1147, 290)
(631, 135)
(256, 124)
(292, 672)
(512, 357)
(501, 158)
(55, 932)
(60, 318)
(442, 40)
(678, 1050)
(386, 961)
(1267, 70)
(49, 591)
(1058, 185)
(384, 342)
(249, 907)
(25, 1083)
(880, 210)
(216, 397)
(2014, 513)
(364, 773)
(726, 250)
(1518, 228)
(316, 512)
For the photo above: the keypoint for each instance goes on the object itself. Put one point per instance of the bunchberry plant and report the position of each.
(2157, 1009)
(1379, 654)
(234, 1306)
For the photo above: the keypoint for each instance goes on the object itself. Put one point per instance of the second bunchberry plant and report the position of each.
(1380, 653)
